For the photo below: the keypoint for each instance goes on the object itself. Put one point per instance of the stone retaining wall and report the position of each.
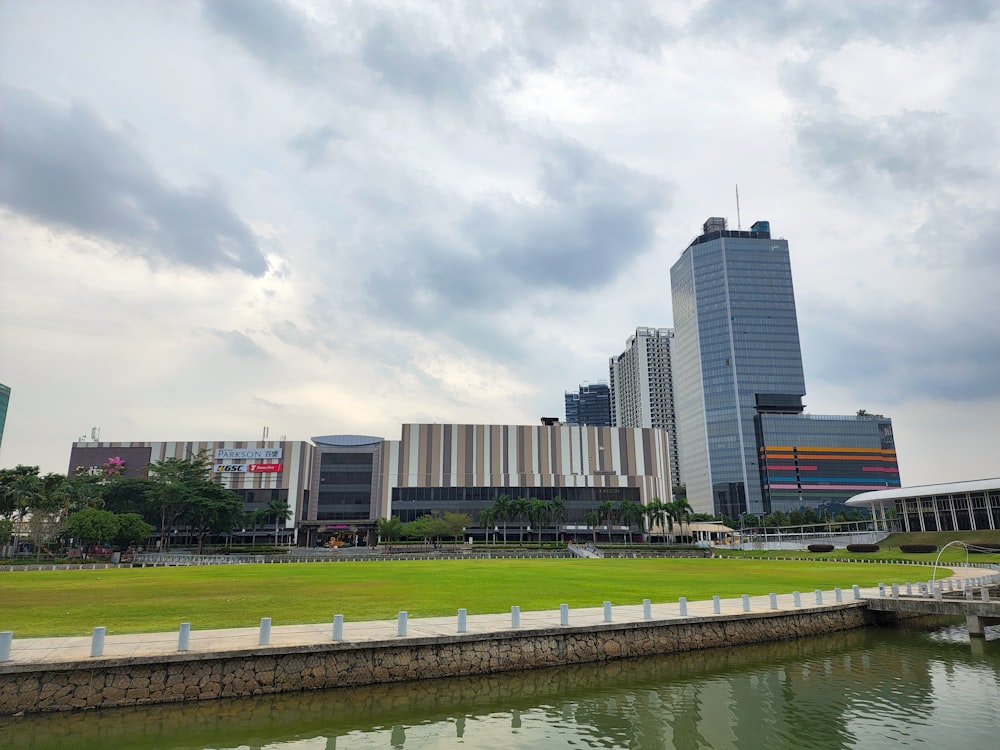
(191, 677)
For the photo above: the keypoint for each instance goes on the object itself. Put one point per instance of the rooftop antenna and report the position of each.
(264, 435)
(739, 224)
(95, 434)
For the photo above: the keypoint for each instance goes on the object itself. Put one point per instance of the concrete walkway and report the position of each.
(52, 651)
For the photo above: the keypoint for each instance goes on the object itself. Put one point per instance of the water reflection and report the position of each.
(872, 688)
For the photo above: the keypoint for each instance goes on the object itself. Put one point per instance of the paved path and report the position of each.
(51, 651)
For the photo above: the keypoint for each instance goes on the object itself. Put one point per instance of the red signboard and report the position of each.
(264, 468)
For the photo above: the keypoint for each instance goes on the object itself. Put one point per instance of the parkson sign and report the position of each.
(256, 453)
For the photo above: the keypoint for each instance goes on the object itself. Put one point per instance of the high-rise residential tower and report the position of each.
(736, 348)
(590, 405)
(4, 401)
(642, 387)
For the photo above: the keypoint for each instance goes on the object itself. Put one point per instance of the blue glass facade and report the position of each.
(822, 461)
(591, 405)
(736, 336)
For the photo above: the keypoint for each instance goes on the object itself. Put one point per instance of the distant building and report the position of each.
(955, 506)
(4, 401)
(820, 462)
(590, 405)
(257, 471)
(339, 486)
(642, 387)
(746, 444)
(736, 336)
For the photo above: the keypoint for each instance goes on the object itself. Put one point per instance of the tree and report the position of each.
(504, 509)
(681, 510)
(557, 510)
(630, 513)
(82, 491)
(455, 524)
(519, 512)
(539, 512)
(211, 508)
(795, 518)
(173, 484)
(593, 520)
(132, 530)
(654, 517)
(606, 512)
(487, 517)
(390, 529)
(281, 512)
(91, 526)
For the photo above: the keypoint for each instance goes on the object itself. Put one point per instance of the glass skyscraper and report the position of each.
(736, 345)
(590, 405)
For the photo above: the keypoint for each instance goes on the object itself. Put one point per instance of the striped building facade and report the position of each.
(464, 467)
(822, 461)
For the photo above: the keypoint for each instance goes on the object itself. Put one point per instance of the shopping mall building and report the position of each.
(341, 485)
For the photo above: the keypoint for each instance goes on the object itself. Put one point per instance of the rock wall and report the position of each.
(205, 676)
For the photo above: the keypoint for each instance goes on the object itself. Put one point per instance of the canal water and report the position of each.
(922, 686)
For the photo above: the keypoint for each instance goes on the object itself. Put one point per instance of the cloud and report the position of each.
(313, 146)
(592, 218)
(241, 345)
(271, 31)
(428, 73)
(65, 166)
(818, 26)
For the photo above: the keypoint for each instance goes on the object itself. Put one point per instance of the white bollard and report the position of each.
(716, 604)
(683, 602)
(986, 594)
(895, 591)
(796, 599)
(401, 624)
(463, 620)
(184, 637)
(746, 602)
(856, 590)
(6, 638)
(838, 595)
(774, 600)
(564, 614)
(909, 589)
(97, 641)
(647, 609)
(881, 589)
(515, 617)
(819, 596)
(265, 631)
(607, 611)
(338, 627)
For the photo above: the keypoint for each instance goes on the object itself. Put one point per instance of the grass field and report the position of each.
(138, 600)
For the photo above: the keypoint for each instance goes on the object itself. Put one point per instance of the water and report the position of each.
(926, 686)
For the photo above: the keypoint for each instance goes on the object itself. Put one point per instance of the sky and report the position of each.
(336, 217)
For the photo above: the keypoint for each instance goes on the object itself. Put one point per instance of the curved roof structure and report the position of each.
(927, 490)
(347, 440)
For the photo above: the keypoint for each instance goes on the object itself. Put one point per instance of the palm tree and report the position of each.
(281, 512)
(593, 520)
(630, 513)
(539, 512)
(558, 514)
(681, 511)
(487, 517)
(520, 510)
(605, 512)
(654, 516)
(504, 509)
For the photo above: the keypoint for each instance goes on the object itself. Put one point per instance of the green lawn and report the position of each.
(65, 602)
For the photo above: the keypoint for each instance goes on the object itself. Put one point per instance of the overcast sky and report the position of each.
(336, 217)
